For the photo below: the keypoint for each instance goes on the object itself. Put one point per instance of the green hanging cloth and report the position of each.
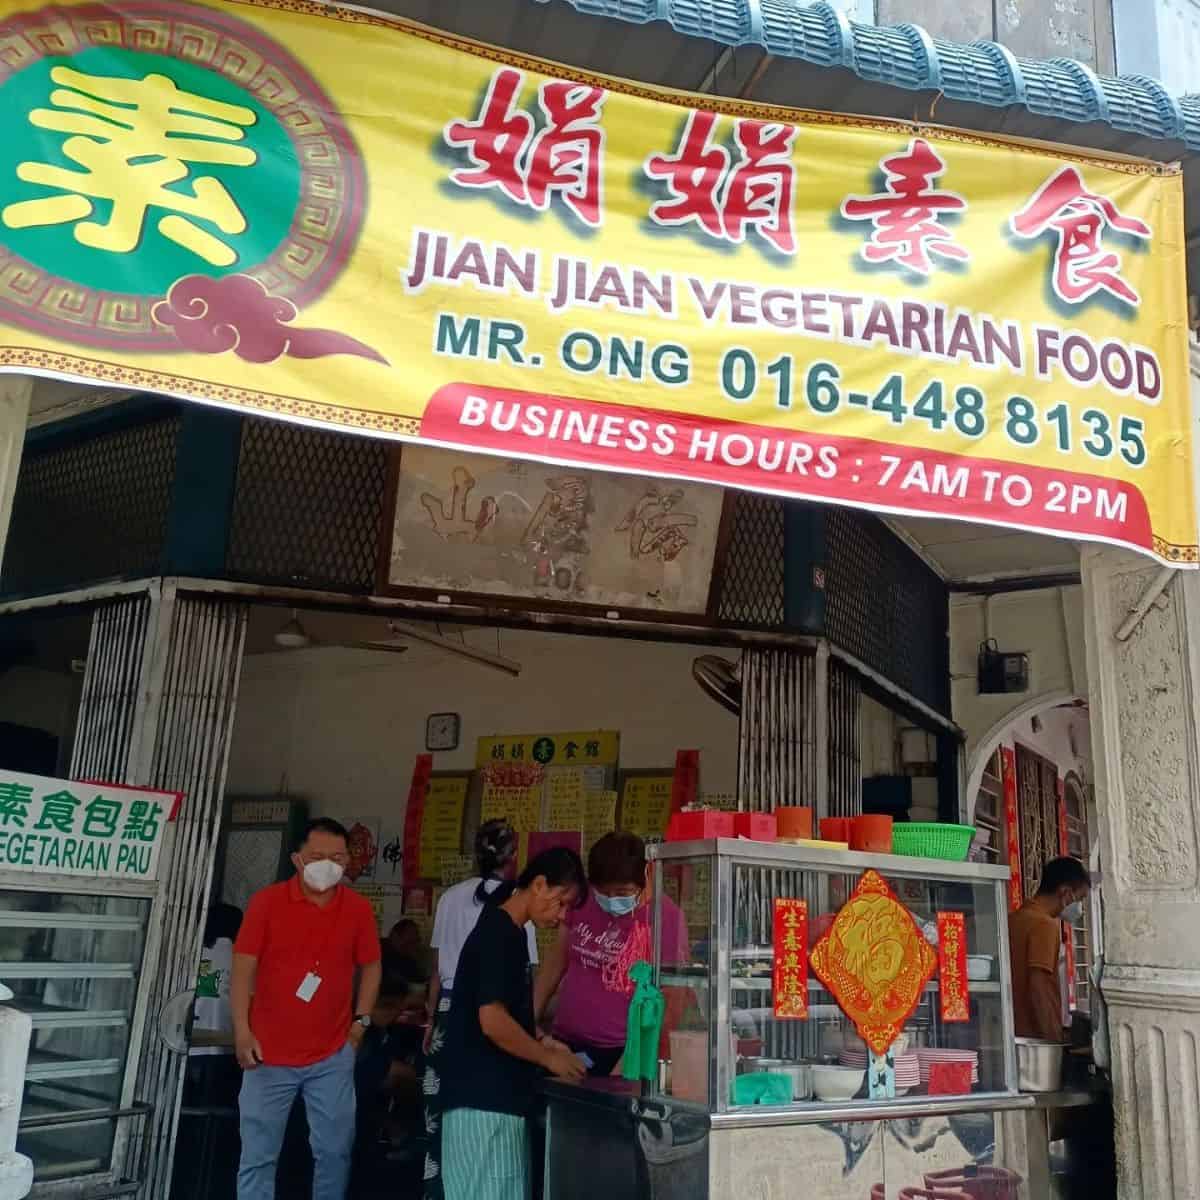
(644, 1029)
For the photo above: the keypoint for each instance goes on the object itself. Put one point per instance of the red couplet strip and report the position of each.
(952, 967)
(790, 968)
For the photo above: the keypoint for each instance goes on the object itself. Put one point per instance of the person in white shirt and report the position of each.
(457, 912)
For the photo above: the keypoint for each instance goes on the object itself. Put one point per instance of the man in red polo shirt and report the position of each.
(294, 1025)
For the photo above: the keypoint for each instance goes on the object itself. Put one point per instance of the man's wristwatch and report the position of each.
(363, 1019)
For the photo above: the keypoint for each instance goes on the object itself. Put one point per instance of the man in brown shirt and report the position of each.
(1035, 942)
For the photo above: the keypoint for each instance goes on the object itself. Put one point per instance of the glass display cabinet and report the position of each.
(766, 1086)
(73, 961)
(729, 1018)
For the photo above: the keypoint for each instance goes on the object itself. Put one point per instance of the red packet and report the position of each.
(950, 1079)
(790, 969)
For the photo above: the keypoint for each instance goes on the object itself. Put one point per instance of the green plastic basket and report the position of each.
(925, 839)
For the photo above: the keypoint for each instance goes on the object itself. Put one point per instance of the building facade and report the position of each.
(116, 492)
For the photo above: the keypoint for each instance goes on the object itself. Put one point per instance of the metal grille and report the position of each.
(308, 508)
(885, 606)
(157, 710)
(777, 763)
(1037, 795)
(93, 509)
(845, 754)
(752, 583)
(112, 685)
(193, 731)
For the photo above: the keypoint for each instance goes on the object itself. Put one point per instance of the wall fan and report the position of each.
(721, 679)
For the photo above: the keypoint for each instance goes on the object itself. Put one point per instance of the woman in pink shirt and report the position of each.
(598, 942)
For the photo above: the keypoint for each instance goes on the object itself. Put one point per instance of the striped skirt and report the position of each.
(485, 1156)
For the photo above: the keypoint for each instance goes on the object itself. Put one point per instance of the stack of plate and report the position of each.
(927, 1056)
(908, 1068)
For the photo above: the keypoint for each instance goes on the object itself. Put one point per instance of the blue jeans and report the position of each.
(266, 1102)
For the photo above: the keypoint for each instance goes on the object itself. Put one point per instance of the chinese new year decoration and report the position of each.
(875, 962)
(1012, 828)
(1064, 848)
(790, 972)
(414, 812)
(952, 963)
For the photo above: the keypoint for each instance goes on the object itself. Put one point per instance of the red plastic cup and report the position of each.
(835, 829)
(872, 832)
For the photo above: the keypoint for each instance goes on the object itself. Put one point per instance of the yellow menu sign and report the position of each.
(646, 804)
(441, 822)
(589, 749)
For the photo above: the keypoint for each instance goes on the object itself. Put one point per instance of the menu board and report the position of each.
(521, 807)
(646, 804)
(441, 822)
(565, 790)
(599, 818)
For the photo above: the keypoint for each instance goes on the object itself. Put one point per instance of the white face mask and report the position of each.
(322, 875)
(1073, 913)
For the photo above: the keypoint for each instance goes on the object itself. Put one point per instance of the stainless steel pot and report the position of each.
(1039, 1065)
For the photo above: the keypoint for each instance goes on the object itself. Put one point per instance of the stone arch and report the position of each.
(986, 745)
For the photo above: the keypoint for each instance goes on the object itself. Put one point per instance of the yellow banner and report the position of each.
(345, 220)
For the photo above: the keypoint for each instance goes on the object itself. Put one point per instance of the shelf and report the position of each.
(50, 1016)
(21, 919)
(44, 1065)
(45, 970)
(762, 983)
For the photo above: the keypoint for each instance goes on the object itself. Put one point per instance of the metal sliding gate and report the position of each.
(157, 710)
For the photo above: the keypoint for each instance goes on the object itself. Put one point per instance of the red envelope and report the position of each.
(949, 1079)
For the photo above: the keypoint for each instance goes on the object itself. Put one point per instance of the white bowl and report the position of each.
(979, 967)
(836, 1083)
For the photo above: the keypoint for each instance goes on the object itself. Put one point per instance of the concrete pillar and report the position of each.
(15, 394)
(1143, 694)
(16, 1171)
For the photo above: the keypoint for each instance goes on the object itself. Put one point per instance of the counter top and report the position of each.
(609, 1092)
(620, 1096)
(1077, 1097)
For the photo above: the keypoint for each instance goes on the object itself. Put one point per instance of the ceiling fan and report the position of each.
(293, 636)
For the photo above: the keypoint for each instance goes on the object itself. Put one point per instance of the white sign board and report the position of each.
(62, 827)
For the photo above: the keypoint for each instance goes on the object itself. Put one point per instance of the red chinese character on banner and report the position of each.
(727, 196)
(563, 158)
(567, 152)
(1082, 265)
(907, 228)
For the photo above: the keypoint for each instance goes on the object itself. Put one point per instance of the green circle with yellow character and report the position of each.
(118, 164)
(155, 142)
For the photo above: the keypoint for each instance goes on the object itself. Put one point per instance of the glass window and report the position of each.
(685, 979)
(73, 964)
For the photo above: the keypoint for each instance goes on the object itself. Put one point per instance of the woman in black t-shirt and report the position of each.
(492, 1054)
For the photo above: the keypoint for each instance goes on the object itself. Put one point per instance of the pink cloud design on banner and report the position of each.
(236, 314)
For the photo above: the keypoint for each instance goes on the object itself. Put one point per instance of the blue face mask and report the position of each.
(616, 906)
